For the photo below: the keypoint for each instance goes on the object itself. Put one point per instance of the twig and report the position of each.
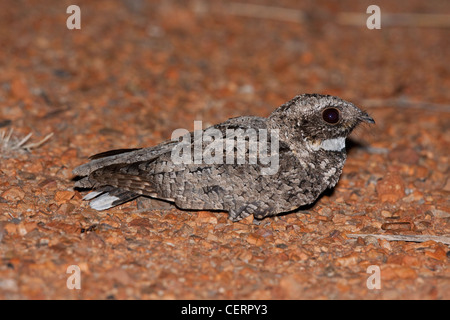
(5, 137)
(30, 146)
(346, 18)
(265, 12)
(405, 103)
(401, 237)
(8, 143)
(397, 19)
(22, 142)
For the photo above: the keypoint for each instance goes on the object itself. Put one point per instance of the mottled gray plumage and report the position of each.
(311, 131)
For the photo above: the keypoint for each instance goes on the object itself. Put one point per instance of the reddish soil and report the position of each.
(137, 70)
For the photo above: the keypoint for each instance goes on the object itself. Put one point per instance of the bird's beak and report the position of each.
(366, 118)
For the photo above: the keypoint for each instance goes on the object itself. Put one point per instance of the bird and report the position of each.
(220, 168)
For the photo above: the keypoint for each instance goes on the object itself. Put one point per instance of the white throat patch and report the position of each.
(336, 144)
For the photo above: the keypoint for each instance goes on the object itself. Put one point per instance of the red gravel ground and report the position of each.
(138, 70)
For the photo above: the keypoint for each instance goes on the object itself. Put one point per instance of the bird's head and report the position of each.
(320, 120)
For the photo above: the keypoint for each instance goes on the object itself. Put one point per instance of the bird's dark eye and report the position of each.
(331, 115)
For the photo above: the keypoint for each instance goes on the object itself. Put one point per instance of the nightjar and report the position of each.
(305, 136)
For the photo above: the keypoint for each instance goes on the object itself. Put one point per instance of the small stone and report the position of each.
(140, 222)
(391, 188)
(206, 217)
(440, 213)
(255, 239)
(27, 175)
(63, 196)
(325, 211)
(245, 256)
(404, 226)
(371, 240)
(438, 254)
(386, 214)
(10, 228)
(9, 285)
(293, 286)
(66, 208)
(385, 244)
(349, 260)
(398, 272)
(13, 194)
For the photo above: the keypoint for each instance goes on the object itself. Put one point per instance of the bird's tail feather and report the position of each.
(106, 198)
